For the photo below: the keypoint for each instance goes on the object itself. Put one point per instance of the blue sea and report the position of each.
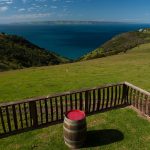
(71, 41)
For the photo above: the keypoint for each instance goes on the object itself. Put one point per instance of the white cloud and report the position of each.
(54, 7)
(24, 1)
(40, 0)
(25, 17)
(21, 9)
(3, 8)
(68, 1)
(9, 2)
(5, 2)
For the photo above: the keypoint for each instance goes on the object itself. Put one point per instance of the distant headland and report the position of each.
(69, 22)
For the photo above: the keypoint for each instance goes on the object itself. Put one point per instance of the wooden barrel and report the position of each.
(74, 128)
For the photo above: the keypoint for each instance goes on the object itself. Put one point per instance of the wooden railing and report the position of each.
(37, 112)
(138, 98)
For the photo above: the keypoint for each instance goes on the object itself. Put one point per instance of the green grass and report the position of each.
(134, 67)
(120, 129)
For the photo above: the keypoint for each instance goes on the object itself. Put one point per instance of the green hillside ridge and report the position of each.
(16, 52)
(120, 43)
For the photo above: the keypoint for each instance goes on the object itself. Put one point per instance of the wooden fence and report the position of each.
(37, 112)
(138, 98)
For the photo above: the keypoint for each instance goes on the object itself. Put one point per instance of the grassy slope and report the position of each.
(134, 66)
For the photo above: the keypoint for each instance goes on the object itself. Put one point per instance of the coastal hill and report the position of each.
(16, 53)
(120, 43)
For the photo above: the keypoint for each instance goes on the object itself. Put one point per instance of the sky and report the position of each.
(83, 10)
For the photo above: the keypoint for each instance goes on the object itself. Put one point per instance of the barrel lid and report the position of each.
(75, 115)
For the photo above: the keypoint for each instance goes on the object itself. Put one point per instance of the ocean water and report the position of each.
(72, 41)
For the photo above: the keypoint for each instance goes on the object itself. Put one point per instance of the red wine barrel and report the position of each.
(74, 128)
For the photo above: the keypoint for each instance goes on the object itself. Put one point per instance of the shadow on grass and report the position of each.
(103, 137)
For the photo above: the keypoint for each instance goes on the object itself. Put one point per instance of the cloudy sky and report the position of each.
(100, 10)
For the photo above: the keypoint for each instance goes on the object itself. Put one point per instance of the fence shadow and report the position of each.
(103, 137)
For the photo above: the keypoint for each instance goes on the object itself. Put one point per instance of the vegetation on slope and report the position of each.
(120, 43)
(16, 53)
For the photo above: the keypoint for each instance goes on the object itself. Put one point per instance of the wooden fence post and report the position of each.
(149, 106)
(81, 101)
(86, 101)
(15, 117)
(33, 113)
(125, 94)
(146, 105)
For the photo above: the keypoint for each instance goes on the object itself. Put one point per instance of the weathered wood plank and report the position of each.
(46, 110)
(71, 105)
(140, 102)
(127, 95)
(51, 107)
(41, 112)
(119, 94)
(56, 106)
(33, 114)
(107, 101)
(99, 100)
(89, 101)
(146, 104)
(20, 114)
(115, 100)
(112, 97)
(2, 120)
(131, 96)
(76, 104)
(25, 113)
(94, 99)
(86, 101)
(81, 101)
(103, 100)
(134, 97)
(61, 107)
(15, 117)
(66, 103)
(8, 119)
(149, 106)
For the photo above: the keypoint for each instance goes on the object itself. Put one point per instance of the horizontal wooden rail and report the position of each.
(58, 94)
(137, 88)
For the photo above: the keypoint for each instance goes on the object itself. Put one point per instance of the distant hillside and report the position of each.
(16, 52)
(120, 43)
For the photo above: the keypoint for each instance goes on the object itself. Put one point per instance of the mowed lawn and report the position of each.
(133, 66)
(117, 129)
